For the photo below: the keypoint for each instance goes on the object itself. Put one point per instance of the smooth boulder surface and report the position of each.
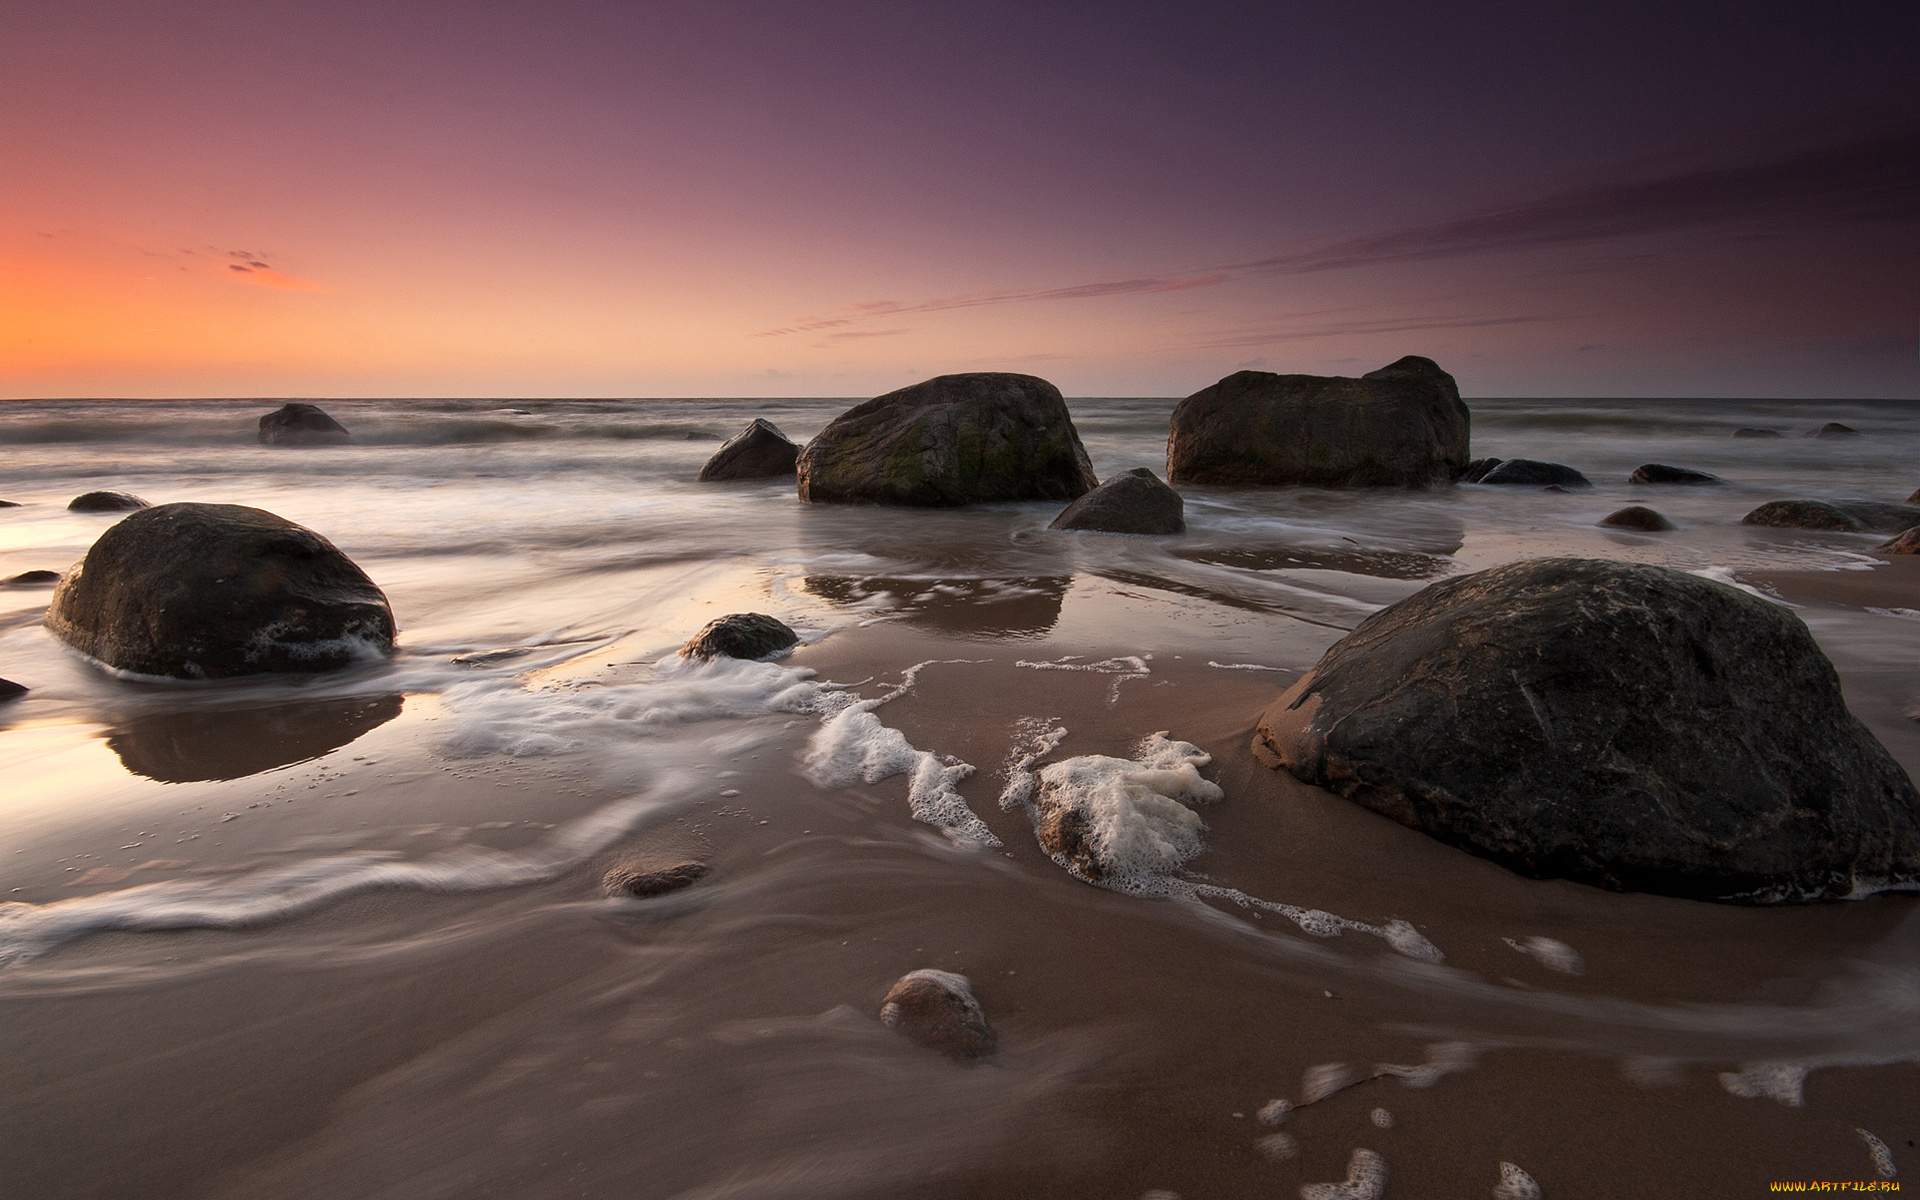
(1832, 429)
(301, 425)
(1620, 724)
(740, 635)
(954, 439)
(938, 1010)
(1906, 543)
(1757, 433)
(1635, 516)
(1660, 473)
(207, 591)
(1843, 516)
(96, 502)
(1401, 426)
(760, 451)
(1133, 502)
(1523, 472)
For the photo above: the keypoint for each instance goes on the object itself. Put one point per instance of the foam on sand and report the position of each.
(1552, 954)
(853, 746)
(1782, 1081)
(1122, 668)
(1515, 1184)
(1882, 1157)
(1366, 1180)
(1125, 823)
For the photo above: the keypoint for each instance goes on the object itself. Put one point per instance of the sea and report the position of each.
(345, 935)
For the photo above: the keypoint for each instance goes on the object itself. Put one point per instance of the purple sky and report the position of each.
(834, 199)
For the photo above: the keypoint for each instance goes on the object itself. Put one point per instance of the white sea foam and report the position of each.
(1123, 668)
(1381, 1118)
(853, 746)
(1138, 826)
(1515, 1184)
(1552, 954)
(1725, 575)
(1034, 739)
(1275, 1112)
(1366, 1180)
(1782, 1081)
(1278, 1147)
(1247, 667)
(1905, 614)
(265, 897)
(1443, 1059)
(1882, 1157)
(1324, 1080)
(1400, 934)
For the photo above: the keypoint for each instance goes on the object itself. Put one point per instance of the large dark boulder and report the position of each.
(740, 635)
(301, 425)
(1522, 472)
(1625, 725)
(760, 451)
(1401, 426)
(1660, 473)
(205, 591)
(99, 502)
(955, 439)
(1133, 502)
(1840, 516)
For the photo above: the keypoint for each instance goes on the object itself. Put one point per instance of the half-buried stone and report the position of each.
(1638, 517)
(207, 591)
(95, 502)
(1661, 473)
(1624, 725)
(1523, 472)
(955, 439)
(760, 451)
(1401, 426)
(1844, 516)
(300, 424)
(938, 1010)
(1133, 502)
(740, 635)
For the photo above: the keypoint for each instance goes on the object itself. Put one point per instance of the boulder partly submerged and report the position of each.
(1839, 516)
(300, 424)
(760, 451)
(99, 502)
(954, 439)
(1401, 426)
(938, 1010)
(1522, 472)
(207, 591)
(1832, 429)
(740, 635)
(1620, 724)
(1906, 543)
(1132, 502)
(1661, 473)
(1638, 517)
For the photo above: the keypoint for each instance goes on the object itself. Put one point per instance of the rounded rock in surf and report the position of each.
(760, 451)
(209, 591)
(299, 424)
(938, 1010)
(106, 502)
(1619, 724)
(1132, 502)
(740, 635)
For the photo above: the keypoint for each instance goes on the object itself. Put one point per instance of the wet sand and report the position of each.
(724, 1040)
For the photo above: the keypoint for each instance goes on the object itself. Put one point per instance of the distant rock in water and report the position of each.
(938, 1010)
(1906, 543)
(98, 502)
(1658, 473)
(1636, 517)
(1915, 498)
(954, 439)
(1841, 516)
(31, 579)
(1832, 429)
(1620, 724)
(1401, 426)
(760, 451)
(633, 879)
(301, 425)
(1757, 433)
(9, 690)
(1133, 502)
(9, 504)
(206, 591)
(740, 635)
(1523, 472)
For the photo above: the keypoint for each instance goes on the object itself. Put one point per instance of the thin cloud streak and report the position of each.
(1386, 325)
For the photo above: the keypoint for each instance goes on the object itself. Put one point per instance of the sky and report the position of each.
(599, 198)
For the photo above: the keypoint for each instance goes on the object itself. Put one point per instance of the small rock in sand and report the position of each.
(740, 635)
(630, 879)
(1636, 516)
(937, 1009)
(1906, 543)
(1661, 473)
(1133, 502)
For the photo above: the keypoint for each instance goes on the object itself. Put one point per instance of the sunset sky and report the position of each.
(592, 198)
